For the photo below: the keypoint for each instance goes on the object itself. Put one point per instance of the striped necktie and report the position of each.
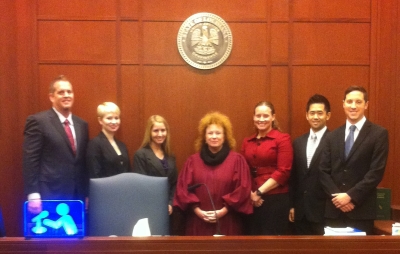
(311, 148)
(69, 135)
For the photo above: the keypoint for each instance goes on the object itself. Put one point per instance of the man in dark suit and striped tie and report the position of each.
(54, 150)
(306, 193)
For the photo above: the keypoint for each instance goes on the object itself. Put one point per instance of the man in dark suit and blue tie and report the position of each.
(353, 164)
(306, 194)
(54, 150)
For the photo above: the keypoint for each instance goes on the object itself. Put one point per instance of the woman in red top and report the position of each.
(269, 154)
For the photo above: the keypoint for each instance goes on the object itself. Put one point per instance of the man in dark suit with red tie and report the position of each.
(54, 150)
(353, 164)
(307, 197)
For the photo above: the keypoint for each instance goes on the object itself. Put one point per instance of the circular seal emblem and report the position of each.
(204, 40)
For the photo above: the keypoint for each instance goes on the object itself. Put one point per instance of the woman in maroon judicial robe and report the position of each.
(224, 172)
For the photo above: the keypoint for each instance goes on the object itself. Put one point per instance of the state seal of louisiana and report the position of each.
(204, 40)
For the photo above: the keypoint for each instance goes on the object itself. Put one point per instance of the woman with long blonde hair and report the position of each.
(154, 158)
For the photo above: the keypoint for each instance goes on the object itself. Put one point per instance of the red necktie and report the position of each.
(69, 135)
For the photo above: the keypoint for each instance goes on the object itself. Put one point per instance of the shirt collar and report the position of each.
(319, 133)
(358, 125)
(271, 135)
(62, 118)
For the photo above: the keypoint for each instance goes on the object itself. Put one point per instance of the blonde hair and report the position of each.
(107, 107)
(217, 119)
(147, 134)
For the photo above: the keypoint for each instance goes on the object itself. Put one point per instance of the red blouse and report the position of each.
(271, 157)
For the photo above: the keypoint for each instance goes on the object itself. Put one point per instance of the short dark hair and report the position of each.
(320, 99)
(59, 78)
(356, 88)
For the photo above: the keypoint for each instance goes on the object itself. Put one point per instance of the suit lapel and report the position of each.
(319, 149)
(339, 140)
(304, 142)
(360, 138)
(107, 145)
(155, 161)
(170, 163)
(78, 134)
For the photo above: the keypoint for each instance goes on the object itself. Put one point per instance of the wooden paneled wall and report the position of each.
(125, 51)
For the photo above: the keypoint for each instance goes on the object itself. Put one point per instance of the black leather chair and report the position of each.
(117, 202)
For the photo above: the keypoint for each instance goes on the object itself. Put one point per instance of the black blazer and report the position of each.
(147, 163)
(49, 165)
(359, 174)
(306, 193)
(103, 161)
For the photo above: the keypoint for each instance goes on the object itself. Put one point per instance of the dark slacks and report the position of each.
(305, 227)
(271, 218)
